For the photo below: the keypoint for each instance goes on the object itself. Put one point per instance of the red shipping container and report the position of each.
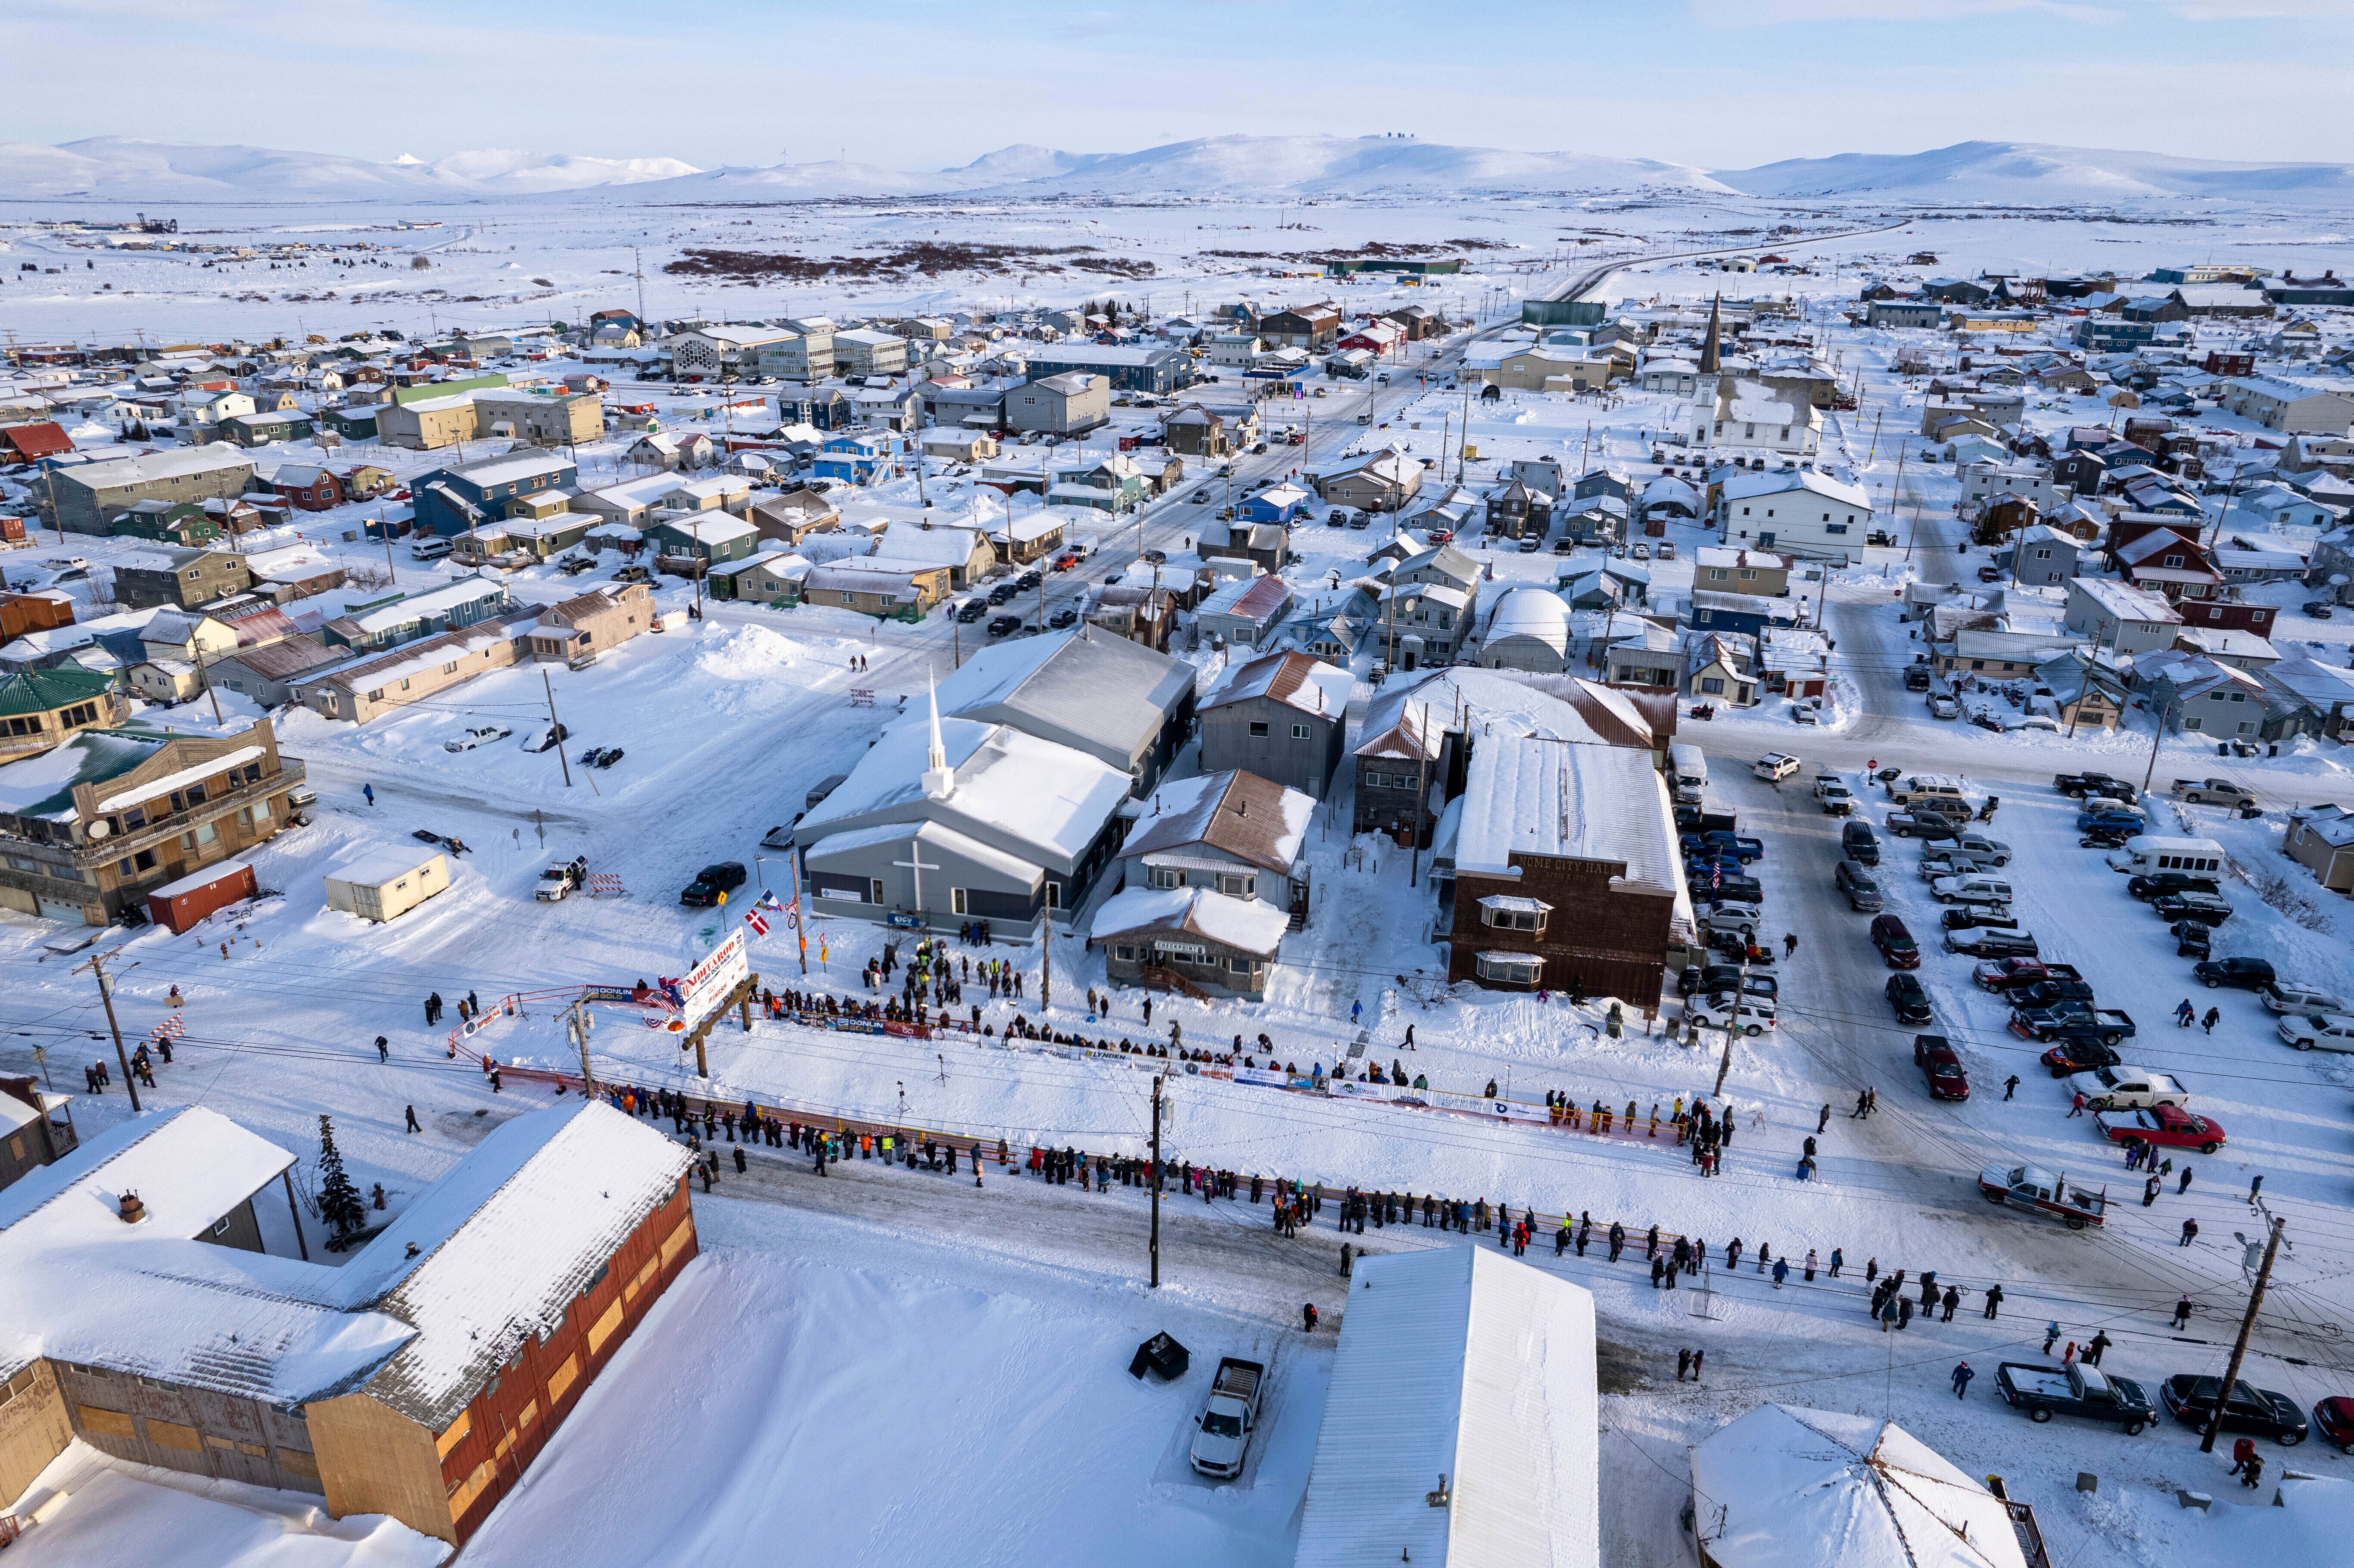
(178, 906)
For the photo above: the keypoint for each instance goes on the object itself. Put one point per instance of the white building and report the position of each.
(1494, 1409)
(1797, 512)
(1746, 414)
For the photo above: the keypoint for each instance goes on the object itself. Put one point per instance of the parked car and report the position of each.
(1063, 617)
(2122, 1088)
(1916, 677)
(1835, 798)
(2318, 1031)
(2124, 823)
(2192, 940)
(1942, 707)
(1986, 851)
(2169, 1127)
(1227, 1420)
(1004, 624)
(1969, 916)
(2073, 1021)
(1863, 894)
(2255, 1411)
(546, 737)
(1744, 848)
(2319, 609)
(2006, 975)
(1067, 560)
(1712, 978)
(1751, 1015)
(1897, 947)
(1905, 995)
(2053, 993)
(2246, 973)
(2334, 1419)
(2207, 909)
(1859, 844)
(2075, 1389)
(2213, 792)
(1944, 863)
(1935, 1055)
(1992, 942)
(573, 565)
(2158, 884)
(1972, 889)
(2083, 786)
(971, 610)
(713, 884)
(2290, 996)
(2078, 1057)
(1930, 825)
(481, 735)
(634, 575)
(559, 882)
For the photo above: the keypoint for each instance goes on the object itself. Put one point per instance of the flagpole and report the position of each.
(800, 927)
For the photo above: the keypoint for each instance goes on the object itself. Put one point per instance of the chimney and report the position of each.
(132, 1210)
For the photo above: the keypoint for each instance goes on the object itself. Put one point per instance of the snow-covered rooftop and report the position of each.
(1246, 924)
(1534, 796)
(1248, 816)
(1029, 791)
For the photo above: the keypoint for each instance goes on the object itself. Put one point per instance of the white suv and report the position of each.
(1753, 1015)
(1776, 766)
(2322, 1031)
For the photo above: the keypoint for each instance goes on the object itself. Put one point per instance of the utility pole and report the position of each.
(1154, 1246)
(580, 1038)
(195, 640)
(556, 730)
(1045, 957)
(800, 919)
(2240, 1345)
(2157, 739)
(385, 527)
(96, 966)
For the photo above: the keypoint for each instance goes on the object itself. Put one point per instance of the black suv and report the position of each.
(2246, 973)
(1714, 977)
(971, 610)
(2258, 1412)
(1906, 995)
(2158, 885)
(2207, 909)
(2192, 940)
(1004, 624)
(714, 883)
(1859, 844)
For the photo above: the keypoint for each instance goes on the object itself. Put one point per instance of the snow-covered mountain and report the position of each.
(127, 169)
(2030, 172)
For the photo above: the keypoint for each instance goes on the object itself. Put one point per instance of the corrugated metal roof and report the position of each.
(1459, 1362)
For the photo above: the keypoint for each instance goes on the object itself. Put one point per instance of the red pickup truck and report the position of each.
(2017, 974)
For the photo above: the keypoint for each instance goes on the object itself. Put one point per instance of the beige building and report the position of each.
(577, 630)
(415, 671)
(876, 585)
(144, 808)
(555, 420)
(865, 353)
(428, 423)
(2321, 839)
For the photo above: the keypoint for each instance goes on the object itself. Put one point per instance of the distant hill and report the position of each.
(126, 169)
(1264, 167)
(2029, 172)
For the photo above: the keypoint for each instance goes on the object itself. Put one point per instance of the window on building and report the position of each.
(1165, 876)
(1243, 886)
(1258, 731)
(1510, 968)
(1711, 685)
(1300, 732)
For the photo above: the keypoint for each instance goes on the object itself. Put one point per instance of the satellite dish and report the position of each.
(99, 830)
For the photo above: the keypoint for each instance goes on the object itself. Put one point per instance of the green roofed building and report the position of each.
(39, 708)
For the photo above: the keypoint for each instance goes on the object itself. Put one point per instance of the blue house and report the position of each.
(1744, 614)
(854, 457)
(1159, 371)
(534, 484)
(1281, 504)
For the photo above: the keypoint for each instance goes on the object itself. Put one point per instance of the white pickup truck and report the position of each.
(1227, 1420)
(2122, 1088)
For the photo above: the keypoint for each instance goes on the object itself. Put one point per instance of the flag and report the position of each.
(758, 921)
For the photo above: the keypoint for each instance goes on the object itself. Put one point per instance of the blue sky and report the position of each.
(918, 84)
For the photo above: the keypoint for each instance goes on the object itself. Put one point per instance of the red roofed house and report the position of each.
(33, 439)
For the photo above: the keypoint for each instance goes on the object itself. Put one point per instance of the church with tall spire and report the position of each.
(1711, 357)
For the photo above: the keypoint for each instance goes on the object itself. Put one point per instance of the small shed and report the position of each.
(387, 884)
(177, 905)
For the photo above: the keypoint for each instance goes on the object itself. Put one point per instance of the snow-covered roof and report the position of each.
(940, 545)
(1530, 612)
(423, 605)
(1527, 796)
(1250, 818)
(1011, 788)
(932, 833)
(174, 462)
(1295, 679)
(292, 562)
(1755, 486)
(1250, 926)
(1498, 1396)
(78, 1284)
(1784, 1488)
(2124, 601)
(505, 1243)
(155, 788)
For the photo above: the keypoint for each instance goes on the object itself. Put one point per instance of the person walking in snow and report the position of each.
(1823, 1120)
(2181, 1315)
(412, 1120)
(2184, 1013)
(368, 790)
(1698, 1356)
(1308, 1318)
(1962, 1375)
(2211, 1017)
(1953, 1298)
(383, 1049)
(1683, 1364)
(1789, 943)
(2183, 1186)
(2099, 1347)
(1781, 1271)
(2075, 1105)
(1810, 1265)
(1993, 1301)
(2010, 1086)
(1348, 1257)
(2149, 1191)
